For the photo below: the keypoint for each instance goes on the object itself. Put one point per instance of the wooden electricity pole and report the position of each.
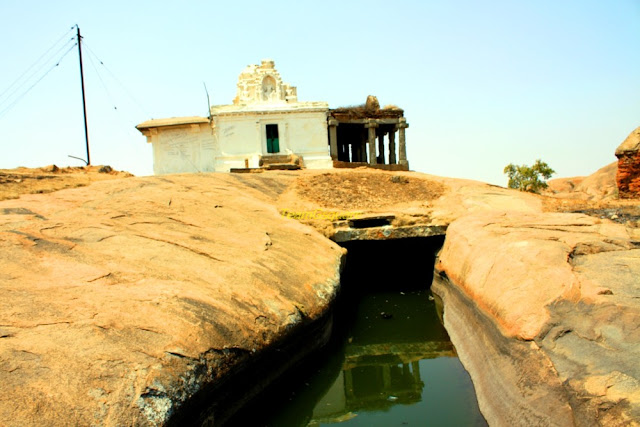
(84, 104)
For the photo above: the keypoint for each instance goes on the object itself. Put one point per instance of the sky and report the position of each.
(483, 83)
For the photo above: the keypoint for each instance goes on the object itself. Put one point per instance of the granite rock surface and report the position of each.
(628, 176)
(122, 300)
(566, 285)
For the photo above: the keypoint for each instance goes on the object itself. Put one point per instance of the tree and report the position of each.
(527, 178)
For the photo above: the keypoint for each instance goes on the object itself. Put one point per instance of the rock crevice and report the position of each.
(570, 299)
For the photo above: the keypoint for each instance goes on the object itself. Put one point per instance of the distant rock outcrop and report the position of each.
(600, 185)
(628, 176)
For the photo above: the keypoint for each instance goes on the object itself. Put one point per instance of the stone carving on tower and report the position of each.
(262, 84)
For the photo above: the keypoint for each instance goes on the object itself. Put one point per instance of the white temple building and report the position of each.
(265, 120)
(266, 126)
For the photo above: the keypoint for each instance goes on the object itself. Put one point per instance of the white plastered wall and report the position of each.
(242, 138)
(188, 148)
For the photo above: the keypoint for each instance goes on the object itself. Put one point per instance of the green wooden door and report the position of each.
(273, 142)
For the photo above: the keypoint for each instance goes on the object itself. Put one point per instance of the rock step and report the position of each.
(282, 166)
(277, 158)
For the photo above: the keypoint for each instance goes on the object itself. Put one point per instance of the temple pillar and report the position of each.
(381, 148)
(343, 152)
(358, 148)
(392, 147)
(348, 384)
(402, 144)
(333, 138)
(386, 377)
(372, 125)
(416, 372)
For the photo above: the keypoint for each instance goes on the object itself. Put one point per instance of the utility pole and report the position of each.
(84, 104)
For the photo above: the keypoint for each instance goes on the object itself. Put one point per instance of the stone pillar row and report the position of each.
(381, 148)
(372, 125)
(402, 149)
(392, 147)
(333, 138)
(370, 140)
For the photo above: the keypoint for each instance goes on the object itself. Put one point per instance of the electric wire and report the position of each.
(104, 86)
(124, 88)
(5, 110)
(11, 95)
(27, 75)
(37, 60)
(119, 119)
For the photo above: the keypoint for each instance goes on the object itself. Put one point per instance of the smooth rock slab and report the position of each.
(567, 285)
(121, 301)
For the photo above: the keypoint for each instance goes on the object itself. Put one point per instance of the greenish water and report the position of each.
(390, 361)
(393, 369)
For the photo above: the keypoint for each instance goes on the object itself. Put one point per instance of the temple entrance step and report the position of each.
(281, 162)
(282, 166)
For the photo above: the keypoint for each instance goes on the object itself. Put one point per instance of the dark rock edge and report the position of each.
(250, 374)
(516, 383)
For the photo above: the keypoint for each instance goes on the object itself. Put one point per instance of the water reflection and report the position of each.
(393, 364)
(368, 388)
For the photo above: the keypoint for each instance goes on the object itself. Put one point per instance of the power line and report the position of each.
(127, 91)
(93, 65)
(120, 118)
(25, 82)
(38, 60)
(33, 85)
(121, 121)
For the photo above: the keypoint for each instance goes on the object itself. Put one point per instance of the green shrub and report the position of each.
(528, 178)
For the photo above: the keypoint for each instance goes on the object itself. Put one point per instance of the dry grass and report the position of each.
(15, 182)
(366, 190)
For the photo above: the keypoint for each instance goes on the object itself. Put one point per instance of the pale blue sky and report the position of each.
(482, 83)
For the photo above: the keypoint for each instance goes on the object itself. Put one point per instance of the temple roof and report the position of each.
(369, 110)
(262, 84)
(173, 121)
(360, 112)
(217, 110)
